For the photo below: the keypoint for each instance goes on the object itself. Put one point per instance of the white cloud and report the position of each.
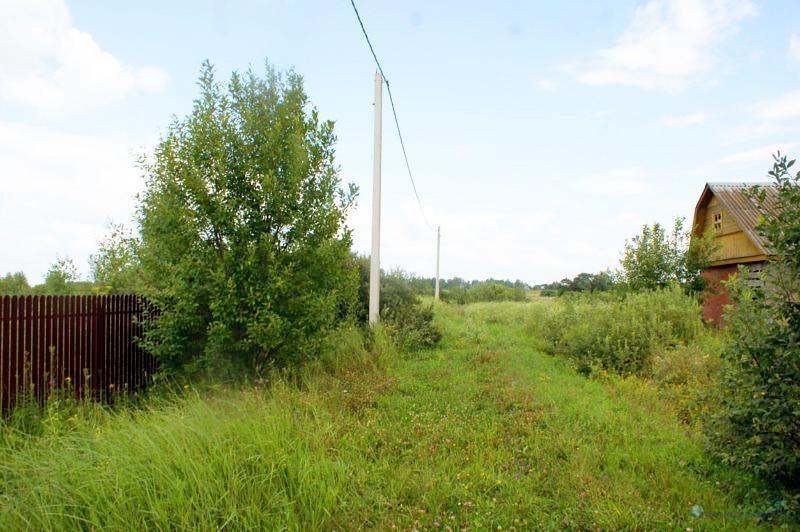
(794, 48)
(690, 119)
(785, 106)
(668, 44)
(58, 190)
(752, 131)
(547, 85)
(617, 183)
(763, 153)
(52, 67)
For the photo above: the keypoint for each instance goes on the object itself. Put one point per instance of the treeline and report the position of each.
(61, 279)
(583, 282)
(655, 258)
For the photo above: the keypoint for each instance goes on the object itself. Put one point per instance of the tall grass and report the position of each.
(250, 457)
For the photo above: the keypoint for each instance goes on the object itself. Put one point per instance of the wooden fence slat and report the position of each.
(61, 347)
(102, 342)
(81, 349)
(114, 333)
(19, 341)
(92, 340)
(69, 354)
(48, 343)
(86, 344)
(123, 329)
(129, 342)
(5, 353)
(93, 312)
(35, 342)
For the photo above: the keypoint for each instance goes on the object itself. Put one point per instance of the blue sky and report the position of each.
(541, 134)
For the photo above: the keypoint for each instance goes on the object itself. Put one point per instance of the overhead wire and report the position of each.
(394, 114)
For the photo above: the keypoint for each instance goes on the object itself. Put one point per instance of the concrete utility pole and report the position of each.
(375, 258)
(438, 244)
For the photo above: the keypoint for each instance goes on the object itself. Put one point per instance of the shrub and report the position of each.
(757, 425)
(480, 292)
(409, 321)
(686, 373)
(619, 334)
(489, 291)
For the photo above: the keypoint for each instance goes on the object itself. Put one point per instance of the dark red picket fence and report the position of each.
(83, 344)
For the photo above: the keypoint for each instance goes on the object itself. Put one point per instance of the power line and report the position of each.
(394, 114)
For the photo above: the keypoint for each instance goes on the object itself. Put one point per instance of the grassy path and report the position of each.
(487, 431)
(483, 432)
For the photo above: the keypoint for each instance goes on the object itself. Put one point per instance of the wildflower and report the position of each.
(67, 380)
(111, 386)
(516, 475)
(185, 386)
(436, 523)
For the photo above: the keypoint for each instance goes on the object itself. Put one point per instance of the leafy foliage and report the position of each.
(14, 284)
(116, 268)
(620, 334)
(583, 282)
(686, 373)
(409, 321)
(758, 423)
(484, 291)
(62, 279)
(244, 247)
(656, 259)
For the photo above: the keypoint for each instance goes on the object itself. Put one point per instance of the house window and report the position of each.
(718, 222)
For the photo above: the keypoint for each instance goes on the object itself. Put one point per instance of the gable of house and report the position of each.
(731, 216)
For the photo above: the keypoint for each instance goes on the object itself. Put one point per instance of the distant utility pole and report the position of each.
(375, 258)
(438, 244)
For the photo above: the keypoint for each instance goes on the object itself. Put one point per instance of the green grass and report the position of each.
(484, 431)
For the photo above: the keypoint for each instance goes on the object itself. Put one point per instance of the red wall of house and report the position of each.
(717, 295)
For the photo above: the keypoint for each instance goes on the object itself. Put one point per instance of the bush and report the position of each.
(408, 321)
(479, 292)
(757, 425)
(686, 373)
(620, 334)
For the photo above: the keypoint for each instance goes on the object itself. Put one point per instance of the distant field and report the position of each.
(484, 431)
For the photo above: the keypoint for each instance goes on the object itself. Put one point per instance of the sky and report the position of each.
(541, 134)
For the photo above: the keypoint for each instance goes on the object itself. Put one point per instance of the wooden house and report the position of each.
(731, 216)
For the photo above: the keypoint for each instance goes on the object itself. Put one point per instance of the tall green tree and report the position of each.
(116, 268)
(656, 258)
(244, 248)
(60, 278)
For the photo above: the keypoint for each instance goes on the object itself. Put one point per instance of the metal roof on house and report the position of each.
(746, 211)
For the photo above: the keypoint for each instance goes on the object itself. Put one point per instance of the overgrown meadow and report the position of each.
(484, 430)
